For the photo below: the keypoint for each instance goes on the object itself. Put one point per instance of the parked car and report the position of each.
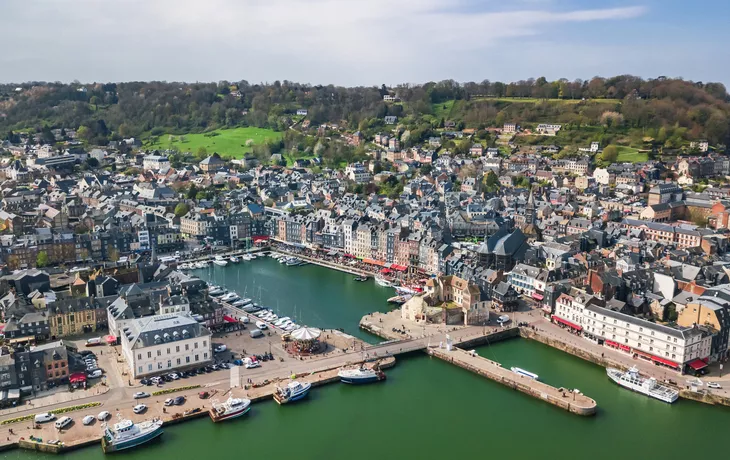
(44, 417)
(95, 374)
(139, 408)
(220, 348)
(63, 422)
(141, 394)
(169, 402)
(103, 415)
(88, 420)
(714, 385)
(203, 395)
(173, 375)
(179, 401)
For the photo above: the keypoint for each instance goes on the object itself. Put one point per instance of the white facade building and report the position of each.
(163, 343)
(155, 162)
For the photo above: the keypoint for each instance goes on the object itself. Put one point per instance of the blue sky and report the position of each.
(361, 42)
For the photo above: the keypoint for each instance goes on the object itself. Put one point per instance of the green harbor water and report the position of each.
(427, 409)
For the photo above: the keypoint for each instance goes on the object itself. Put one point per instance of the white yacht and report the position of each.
(380, 281)
(232, 408)
(649, 387)
(220, 261)
(234, 260)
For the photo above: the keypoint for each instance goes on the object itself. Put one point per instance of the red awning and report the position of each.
(385, 271)
(400, 268)
(78, 377)
(659, 359)
(349, 255)
(258, 239)
(624, 347)
(567, 323)
(537, 296)
(697, 364)
(229, 319)
(610, 343)
(111, 339)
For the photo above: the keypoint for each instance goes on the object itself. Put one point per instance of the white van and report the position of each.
(63, 422)
(261, 325)
(256, 333)
(45, 417)
(244, 320)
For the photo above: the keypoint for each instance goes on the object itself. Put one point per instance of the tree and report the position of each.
(181, 209)
(610, 154)
(491, 182)
(92, 162)
(42, 260)
(84, 133)
(94, 101)
(192, 192)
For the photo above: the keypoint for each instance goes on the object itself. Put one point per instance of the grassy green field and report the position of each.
(533, 100)
(290, 159)
(226, 142)
(631, 155)
(443, 109)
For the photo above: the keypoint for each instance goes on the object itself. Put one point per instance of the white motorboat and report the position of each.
(247, 257)
(238, 303)
(380, 281)
(230, 297)
(215, 291)
(127, 434)
(281, 321)
(220, 261)
(292, 392)
(360, 375)
(524, 373)
(232, 408)
(234, 260)
(646, 386)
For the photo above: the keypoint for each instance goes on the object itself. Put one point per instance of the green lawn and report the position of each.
(290, 159)
(227, 142)
(533, 100)
(631, 155)
(442, 109)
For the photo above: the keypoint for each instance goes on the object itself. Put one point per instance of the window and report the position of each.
(139, 370)
(149, 354)
(169, 363)
(159, 352)
(177, 349)
(187, 347)
(205, 355)
(149, 368)
(205, 343)
(196, 344)
(196, 358)
(139, 355)
(159, 365)
(187, 359)
(168, 351)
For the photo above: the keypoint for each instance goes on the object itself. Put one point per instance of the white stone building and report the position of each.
(163, 343)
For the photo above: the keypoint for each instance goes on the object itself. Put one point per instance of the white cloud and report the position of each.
(320, 41)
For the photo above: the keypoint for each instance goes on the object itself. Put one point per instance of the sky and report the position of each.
(361, 42)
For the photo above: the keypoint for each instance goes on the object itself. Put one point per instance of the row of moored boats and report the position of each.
(221, 261)
(127, 434)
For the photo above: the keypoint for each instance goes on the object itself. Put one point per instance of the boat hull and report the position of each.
(231, 416)
(124, 445)
(360, 380)
(669, 399)
(295, 398)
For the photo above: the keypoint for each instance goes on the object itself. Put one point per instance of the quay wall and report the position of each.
(705, 398)
(321, 263)
(494, 371)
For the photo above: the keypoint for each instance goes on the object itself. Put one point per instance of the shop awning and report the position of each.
(374, 262)
(661, 360)
(537, 296)
(385, 271)
(610, 343)
(259, 239)
(624, 347)
(697, 364)
(78, 377)
(400, 268)
(229, 319)
(350, 256)
(567, 323)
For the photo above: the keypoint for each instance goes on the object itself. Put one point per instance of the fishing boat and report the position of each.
(649, 387)
(380, 281)
(234, 260)
(230, 409)
(360, 279)
(127, 434)
(360, 375)
(524, 373)
(292, 392)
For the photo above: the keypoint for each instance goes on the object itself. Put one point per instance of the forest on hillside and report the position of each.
(142, 109)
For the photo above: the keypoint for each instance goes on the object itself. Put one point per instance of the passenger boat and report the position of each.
(380, 281)
(234, 260)
(127, 434)
(292, 392)
(525, 373)
(232, 408)
(649, 387)
(360, 375)
(360, 278)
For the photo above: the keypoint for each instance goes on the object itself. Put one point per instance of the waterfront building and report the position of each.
(163, 343)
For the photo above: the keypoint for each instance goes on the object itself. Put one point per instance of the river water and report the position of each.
(428, 409)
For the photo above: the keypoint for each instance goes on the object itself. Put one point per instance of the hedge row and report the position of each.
(62, 410)
(173, 390)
